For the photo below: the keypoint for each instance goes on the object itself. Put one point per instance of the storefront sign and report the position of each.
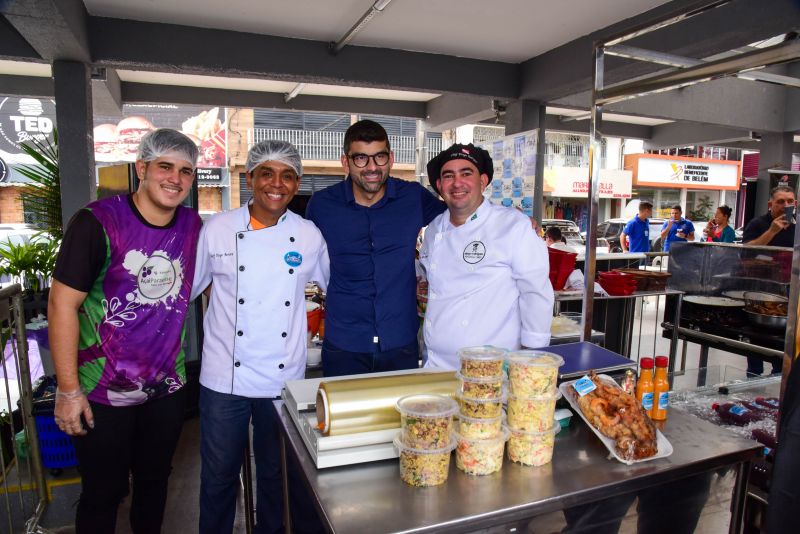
(23, 120)
(690, 173)
(573, 182)
(212, 176)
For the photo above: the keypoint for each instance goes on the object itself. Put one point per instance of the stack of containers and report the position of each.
(480, 433)
(532, 397)
(426, 438)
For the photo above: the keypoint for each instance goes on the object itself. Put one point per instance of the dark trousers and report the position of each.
(338, 362)
(224, 422)
(128, 443)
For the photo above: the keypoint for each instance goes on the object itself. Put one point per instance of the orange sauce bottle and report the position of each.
(660, 390)
(645, 386)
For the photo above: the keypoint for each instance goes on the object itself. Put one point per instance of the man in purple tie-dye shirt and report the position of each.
(117, 307)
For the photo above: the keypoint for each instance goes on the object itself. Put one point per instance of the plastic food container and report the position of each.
(426, 421)
(420, 467)
(532, 448)
(480, 408)
(480, 388)
(532, 373)
(482, 362)
(532, 414)
(473, 428)
(481, 456)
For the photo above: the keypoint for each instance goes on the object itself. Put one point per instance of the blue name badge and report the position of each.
(293, 259)
(584, 385)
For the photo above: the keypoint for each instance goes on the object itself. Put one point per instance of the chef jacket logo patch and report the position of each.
(474, 252)
(293, 259)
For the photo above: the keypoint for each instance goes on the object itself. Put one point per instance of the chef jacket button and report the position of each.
(291, 239)
(240, 333)
(237, 364)
(464, 322)
(283, 334)
(241, 267)
(241, 235)
(291, 271)
(287, 303)
(280, 366)
(241, 301)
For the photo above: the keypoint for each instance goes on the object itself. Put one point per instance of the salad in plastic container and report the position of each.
(480, 408)
(532, 372)
(532, 413)
(481, 456)
(480, 388)
(424, 467)
(426, 421)
(532, 448)
(482, 362)
(473, 428)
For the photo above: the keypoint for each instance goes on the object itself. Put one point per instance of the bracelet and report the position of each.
(69, 394)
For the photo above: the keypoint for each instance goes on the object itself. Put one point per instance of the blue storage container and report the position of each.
(55, 446)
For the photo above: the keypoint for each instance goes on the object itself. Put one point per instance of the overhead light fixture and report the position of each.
(294, 92)
(376, 8)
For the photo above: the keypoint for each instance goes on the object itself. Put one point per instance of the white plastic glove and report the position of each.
(70, 405)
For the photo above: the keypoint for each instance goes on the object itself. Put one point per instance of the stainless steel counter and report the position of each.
(372, 498)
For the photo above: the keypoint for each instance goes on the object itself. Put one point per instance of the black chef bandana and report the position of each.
(476, 155)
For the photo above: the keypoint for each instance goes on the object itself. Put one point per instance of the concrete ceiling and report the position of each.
(504, 30)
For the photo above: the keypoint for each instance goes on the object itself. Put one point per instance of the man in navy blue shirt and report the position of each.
(676, 228)
(635, 237)
(370, 222)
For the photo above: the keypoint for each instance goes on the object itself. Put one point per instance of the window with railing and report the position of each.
(570, 150)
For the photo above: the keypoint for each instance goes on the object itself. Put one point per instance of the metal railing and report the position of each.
(320, 145)
(20, 479)
(569, 150)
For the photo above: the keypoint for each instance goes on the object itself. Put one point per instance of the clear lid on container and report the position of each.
(480, 379)
(494, 400)
(505, 433)
(526, 434)
(426, 405)
(554, 397)
(535, 358)
(482, 353)
(402, 447)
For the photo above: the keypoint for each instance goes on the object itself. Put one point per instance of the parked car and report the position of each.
(571, 232)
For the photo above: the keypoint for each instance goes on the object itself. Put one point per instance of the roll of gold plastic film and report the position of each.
(358, 405)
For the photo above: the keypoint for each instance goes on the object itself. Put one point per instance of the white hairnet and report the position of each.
(159, 143)
(280, 151)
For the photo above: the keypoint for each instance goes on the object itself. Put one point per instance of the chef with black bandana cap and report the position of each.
(487, 273)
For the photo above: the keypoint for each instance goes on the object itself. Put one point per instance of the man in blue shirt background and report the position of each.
(370, 222)
(635, 237)
(676, 228)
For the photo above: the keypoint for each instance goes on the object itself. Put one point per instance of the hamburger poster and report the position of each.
(116, 141)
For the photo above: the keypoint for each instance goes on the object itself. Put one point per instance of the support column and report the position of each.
(422, 155)
(538, 184)
(522, 115)
(775, 152)
(73, 92)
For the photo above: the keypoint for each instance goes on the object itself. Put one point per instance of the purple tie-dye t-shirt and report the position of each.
(132, 321)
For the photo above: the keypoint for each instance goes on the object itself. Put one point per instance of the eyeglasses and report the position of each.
(362, 160)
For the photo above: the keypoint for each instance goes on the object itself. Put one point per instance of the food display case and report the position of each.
(736, 298)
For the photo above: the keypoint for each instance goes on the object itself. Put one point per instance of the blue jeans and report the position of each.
(224, 421)
(338, 362)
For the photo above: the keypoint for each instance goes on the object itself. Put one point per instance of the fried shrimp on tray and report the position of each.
(617, 415)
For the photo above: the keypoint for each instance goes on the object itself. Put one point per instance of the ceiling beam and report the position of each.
(151, 93)
(107, 95)
(609, 129)
(128, 44)
(33, 86)
(55, 29)
(568, 69)
(686, 133)
(13, 45)
(452, 110)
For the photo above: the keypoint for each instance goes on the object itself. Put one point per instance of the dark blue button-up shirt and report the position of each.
(372, 290)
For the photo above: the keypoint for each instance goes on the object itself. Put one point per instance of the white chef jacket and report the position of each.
(255, 326)
(488, 284)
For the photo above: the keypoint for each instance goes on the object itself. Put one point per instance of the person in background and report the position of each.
(554, 235)
(487, 272)
(773, 228)
(635, 236)
(370, 222)
(676, 228)
(117, 306)
(255, 261)
(717, 229)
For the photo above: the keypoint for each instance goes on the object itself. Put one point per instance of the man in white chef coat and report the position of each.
(256, 260)
(487, 272)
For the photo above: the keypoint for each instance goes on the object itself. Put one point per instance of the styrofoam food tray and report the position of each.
(664, 446)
